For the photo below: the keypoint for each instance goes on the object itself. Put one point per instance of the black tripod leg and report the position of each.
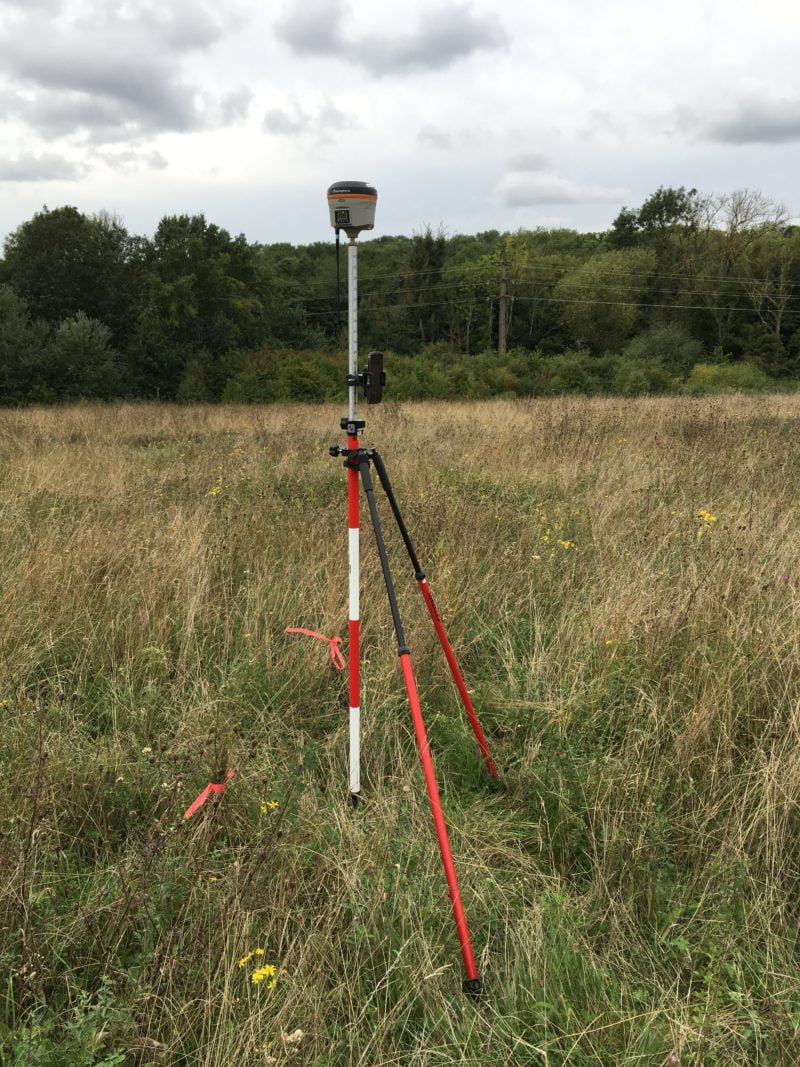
(447, 648)
(472, 982)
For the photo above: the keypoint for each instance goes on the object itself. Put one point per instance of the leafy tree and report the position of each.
(64, 262)
(664, 212)
(427, 257)
(203, 294)
(23, 345)
(735, 226)
(598, 300)
(82, 363)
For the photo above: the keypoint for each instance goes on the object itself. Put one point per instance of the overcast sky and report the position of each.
(471, 114)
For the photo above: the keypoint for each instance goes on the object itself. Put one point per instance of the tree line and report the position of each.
(684, 292)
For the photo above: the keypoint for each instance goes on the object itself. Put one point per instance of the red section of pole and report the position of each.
(458, 678)
(353, 638)
(438, 818)
(352, 487)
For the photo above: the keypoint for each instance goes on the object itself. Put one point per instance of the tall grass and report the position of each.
(621, 583)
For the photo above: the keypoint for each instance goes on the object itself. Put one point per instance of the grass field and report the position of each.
(621, 581)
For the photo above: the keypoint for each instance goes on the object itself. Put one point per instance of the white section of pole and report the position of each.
(354, 651)
(353, 547)
(355, 752)
(352, 316)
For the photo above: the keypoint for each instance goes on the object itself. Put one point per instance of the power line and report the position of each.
(479, 273)
(364, 295)
(370, 289)
(560, 300)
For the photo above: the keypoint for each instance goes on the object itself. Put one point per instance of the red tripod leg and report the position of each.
(472, 982)
(447, 648)
(458, 678)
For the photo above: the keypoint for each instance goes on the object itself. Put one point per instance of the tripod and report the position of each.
(352, 208)
(357, 461)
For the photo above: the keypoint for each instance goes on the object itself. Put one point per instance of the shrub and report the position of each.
(641, 378)
(81, 363)
(670, 345)
(725, 378)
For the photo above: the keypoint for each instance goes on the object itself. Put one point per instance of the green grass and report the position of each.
(631, 889)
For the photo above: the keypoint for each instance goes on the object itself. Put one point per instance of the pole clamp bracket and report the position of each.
(352, 426)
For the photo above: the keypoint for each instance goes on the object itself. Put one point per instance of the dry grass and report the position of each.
(632, 891)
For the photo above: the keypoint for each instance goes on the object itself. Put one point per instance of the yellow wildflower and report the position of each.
(269, 805)
(265, 972)
(215, 490)
(566, 545)
(246, 959)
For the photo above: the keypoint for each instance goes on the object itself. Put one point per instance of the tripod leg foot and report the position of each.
(493, 782)
(473, 987)
(354, 799)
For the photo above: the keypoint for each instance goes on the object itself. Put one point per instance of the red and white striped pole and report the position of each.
(354, 650)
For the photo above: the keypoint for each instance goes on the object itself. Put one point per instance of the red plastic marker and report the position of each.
(203, 797)
(334, 643)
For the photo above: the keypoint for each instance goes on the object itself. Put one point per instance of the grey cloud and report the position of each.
(42, 168)
(235, 105)
(144, 87)
(328, 118)
(529, 161)
(314, 28)
(525, 189)
(184, 27)
(442, 37)
(114, 74)
(759, 122)
(278, 121)
(333, 118)
(433, 136)
(28, 5)
(94, 118)
(129, 160)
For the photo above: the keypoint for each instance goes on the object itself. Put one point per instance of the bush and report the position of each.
(193, 387)
(763, 347)
(642, 378)
(726, 378)
(576, 371)
(671, 345)
(81, 364)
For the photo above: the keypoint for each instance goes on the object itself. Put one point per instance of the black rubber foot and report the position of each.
(494, 783)
(473, 987)
(354, 798)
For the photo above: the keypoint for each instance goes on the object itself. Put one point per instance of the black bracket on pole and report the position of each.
(351, 426)
(371, 379)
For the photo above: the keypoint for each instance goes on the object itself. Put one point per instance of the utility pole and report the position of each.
(502, 328)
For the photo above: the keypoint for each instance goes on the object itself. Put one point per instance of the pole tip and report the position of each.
(354, 798)
(473, 987)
